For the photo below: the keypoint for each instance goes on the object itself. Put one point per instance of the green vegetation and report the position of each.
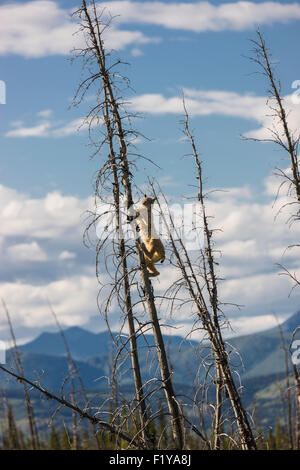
(60, 438)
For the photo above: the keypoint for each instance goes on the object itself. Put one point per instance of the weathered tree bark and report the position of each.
(210, 322)
(288, 389)
(174, 408)
(222, 364)
(73, 370)
(214, 336)
(218, 410)
(108, 114)
(126, 283)
(17, 358)
(297, 420)
(283, 136)
(79, 411)
(291, 145)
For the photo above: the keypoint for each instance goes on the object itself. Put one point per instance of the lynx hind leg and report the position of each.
(152, 271)
(151, 274)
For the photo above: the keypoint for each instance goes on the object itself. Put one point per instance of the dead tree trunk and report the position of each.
(212, 289)
(214, 335)
(17, 358)
(297, 393)
(285, 137)
(79, 411)
(96, 40)
(289, 143)
(297, 387)
(209, 320)
(73, 370)
(92, 23)
(288, 389)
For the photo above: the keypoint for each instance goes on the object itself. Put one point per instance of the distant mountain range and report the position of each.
(261, 354)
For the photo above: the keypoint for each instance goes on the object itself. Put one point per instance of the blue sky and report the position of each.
(45, 167)
(181, 58)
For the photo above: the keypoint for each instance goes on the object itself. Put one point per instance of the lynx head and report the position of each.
(148, 201)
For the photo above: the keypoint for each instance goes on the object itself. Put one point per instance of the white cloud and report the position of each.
(36, 29)
(40, 130)
(42, 28)
(270, 123)
(198, 102)
(242, 193)
(47, 129)
(252, 242)
(244, 249)
(46, 228)
(67, 255)
(26, 252)
(45, 113)
(53, 216)
(119, 39)
(73, 299)
(17, 123)
(253, 324)
(51, 129)
(225, 103)
(136, 52)
(203, 103)
(204, 16)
